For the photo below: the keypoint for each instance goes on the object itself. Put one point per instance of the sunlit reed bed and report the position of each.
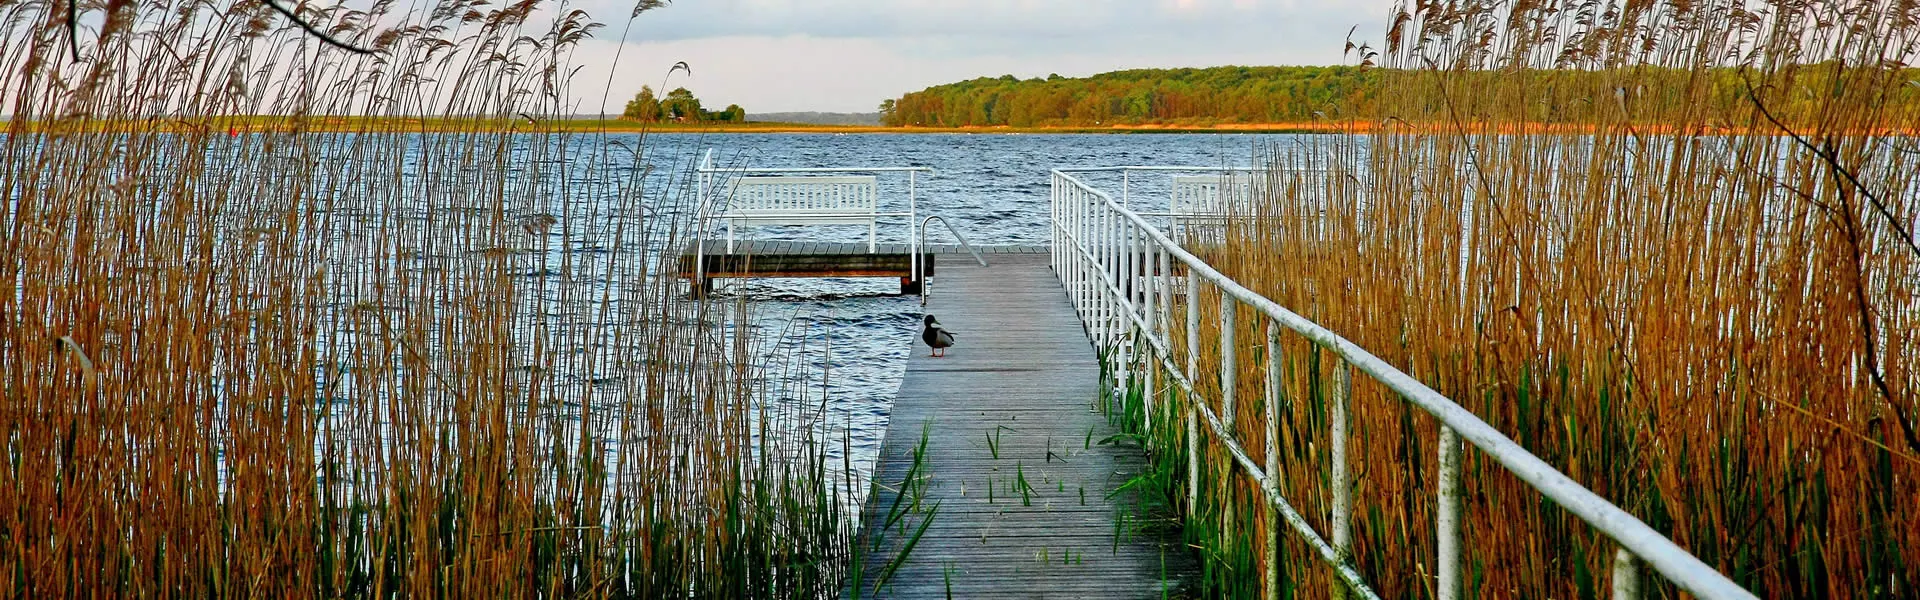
(373, 361)
(1714, 328)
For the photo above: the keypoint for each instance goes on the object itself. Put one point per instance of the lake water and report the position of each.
(992, 187)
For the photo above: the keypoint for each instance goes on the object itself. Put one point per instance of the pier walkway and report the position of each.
(1012, 456)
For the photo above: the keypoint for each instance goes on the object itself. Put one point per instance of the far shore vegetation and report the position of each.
(1341, 98)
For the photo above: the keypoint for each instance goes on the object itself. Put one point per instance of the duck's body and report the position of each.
(936, 337)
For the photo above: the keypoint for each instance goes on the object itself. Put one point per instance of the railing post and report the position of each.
(1106, 270)
(1274, 365)
(1342, 490)
(1115, 301)
(1449, 515)
(1083, 247)
(1193, 376)
(1099, 291)
(1125, 284)
(1150, 314)
(1129, 264)
(1166, 296)
(1070, 256)
(913, 231)
(1229, 368)
(1053, 229)
(1193, 327)
(1626, 576)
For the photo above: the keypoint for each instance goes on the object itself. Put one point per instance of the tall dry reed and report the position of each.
(252, 344)
(1703, 303)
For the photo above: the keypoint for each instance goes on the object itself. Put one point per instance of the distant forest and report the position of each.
(1218, 94)
(821, 118)
(1223, 95)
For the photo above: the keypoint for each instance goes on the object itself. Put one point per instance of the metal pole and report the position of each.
(1097, 228)
(1274, 364)
(1193, 374)
(1053, 225)
(1109, 266)
(1073, 201)
(1449, 515)
(913, 228)
(1126, 343)
(1193, 327)
(1626, 576)
(1102, 264)
(700, 226)
(1164, 320)
(1229, 366)
(1342, 491)
(1150, 316)
(1166, 296)
(1129, 263)
(1079, 219)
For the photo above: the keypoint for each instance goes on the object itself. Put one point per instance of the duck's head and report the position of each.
(930, 321)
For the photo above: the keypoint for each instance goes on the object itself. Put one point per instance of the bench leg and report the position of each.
(872, 226)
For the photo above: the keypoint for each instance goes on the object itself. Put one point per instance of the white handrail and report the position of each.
(926, 281)
(1095, 239)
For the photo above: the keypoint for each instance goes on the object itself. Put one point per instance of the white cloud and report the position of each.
(848, 55)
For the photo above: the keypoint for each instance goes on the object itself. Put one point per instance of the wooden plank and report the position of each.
(1024, 374)
(782, 263)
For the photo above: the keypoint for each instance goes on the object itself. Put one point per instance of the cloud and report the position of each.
(848, 55)
(1021, 19)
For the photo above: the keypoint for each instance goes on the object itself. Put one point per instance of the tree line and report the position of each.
(1642, 94)
(1232, 94)
(679, 105)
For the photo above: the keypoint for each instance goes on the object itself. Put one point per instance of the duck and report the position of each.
(936, 337)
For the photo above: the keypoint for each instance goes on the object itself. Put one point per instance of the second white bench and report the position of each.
(848, 200)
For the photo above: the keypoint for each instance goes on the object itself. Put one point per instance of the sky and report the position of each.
(848, 55)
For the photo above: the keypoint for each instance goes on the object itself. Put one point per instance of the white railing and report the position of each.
(1329, 165)
(709, 192)
(1117, 268)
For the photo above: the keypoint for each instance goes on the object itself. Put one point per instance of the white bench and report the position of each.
(1209, 199)
(850, 200)
(1211, 196)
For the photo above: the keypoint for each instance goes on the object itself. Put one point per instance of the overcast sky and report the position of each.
(848, 55)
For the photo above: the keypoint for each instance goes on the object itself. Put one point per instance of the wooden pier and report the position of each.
(1012, 457)
(760, 258)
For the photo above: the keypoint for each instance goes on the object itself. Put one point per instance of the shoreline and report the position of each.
(768, 127)
(252, 124)
(235, 125)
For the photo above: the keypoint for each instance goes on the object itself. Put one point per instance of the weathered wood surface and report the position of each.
(1022, 372)
(763, 247)
(761, 258)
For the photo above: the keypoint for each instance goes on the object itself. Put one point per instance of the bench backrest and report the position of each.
(768, 199)
(1211, 194)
